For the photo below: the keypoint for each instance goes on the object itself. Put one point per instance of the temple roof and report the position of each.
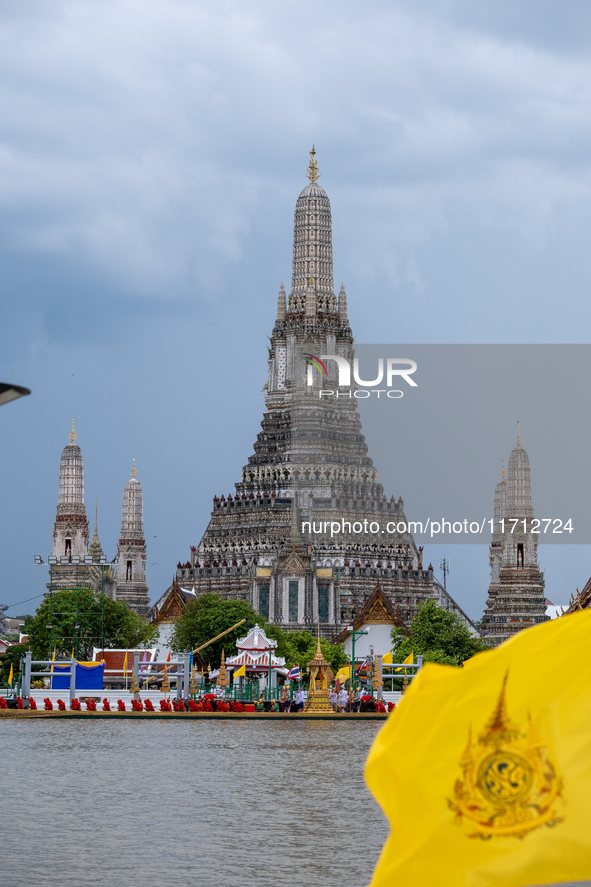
(582, 601)
(255, 661)
(171, 604)
(377, 610)
(256, 640)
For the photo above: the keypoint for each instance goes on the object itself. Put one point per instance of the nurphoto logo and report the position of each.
(393, 368)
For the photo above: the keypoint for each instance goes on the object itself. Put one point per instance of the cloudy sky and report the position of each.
(151, 152)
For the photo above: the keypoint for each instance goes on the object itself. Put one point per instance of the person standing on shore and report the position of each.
(351, 703)
(284, 699)
(299, 699)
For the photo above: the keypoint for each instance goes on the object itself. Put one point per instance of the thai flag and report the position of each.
(363, 668)
(294, 674)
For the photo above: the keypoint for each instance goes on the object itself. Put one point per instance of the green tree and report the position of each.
(285, 645)
(298, 647)
(77, 619)
(12, 656)
(209, 615)
(205, 618)
(437, 635)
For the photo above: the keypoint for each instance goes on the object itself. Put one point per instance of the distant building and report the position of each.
(76, 562)
(516, 596)
(130, 569)
(166, 610)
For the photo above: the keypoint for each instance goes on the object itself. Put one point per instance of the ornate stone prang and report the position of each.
(95, 549)
(310, 459)
(70, 530)
(281, 305)
(516, 595)
(130, 571)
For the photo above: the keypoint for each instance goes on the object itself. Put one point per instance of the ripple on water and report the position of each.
(168, 804)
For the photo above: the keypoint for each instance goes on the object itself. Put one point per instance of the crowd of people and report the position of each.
(341, 700)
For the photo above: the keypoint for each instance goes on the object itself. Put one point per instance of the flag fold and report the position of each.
(484, 772)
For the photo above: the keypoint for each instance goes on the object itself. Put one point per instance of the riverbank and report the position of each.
(196, 715)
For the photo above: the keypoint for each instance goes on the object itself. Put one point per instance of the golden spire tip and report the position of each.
(73, 434)
(313, 173)
(134, 470)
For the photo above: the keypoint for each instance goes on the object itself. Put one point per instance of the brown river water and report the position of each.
(172, 803)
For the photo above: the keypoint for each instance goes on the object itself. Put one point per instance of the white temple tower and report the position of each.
(130, 571)
(70, 533)
(68, 567)
(516, 596)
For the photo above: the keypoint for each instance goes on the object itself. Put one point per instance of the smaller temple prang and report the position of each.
(73, 562)
(95, 550)
(70, 533)
(281, 304)
(130, 570)
(343, 304)
(516, 595)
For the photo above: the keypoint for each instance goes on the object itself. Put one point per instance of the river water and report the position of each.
(172, 803)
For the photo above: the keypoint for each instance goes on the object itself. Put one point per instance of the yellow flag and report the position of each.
(53, 658)
(10, 676)
(240, 673)
(125, 665)
(387, 659)
(344, 673)
(484, 772)
(408, 661)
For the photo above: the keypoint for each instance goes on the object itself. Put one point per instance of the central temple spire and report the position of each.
(312, 288)
(267, 541)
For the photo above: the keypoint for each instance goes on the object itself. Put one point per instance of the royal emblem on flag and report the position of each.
(509, 784)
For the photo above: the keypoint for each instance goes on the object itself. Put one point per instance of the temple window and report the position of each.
(264, 601)
(128, 572)
(323, 603)
(294, 594)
